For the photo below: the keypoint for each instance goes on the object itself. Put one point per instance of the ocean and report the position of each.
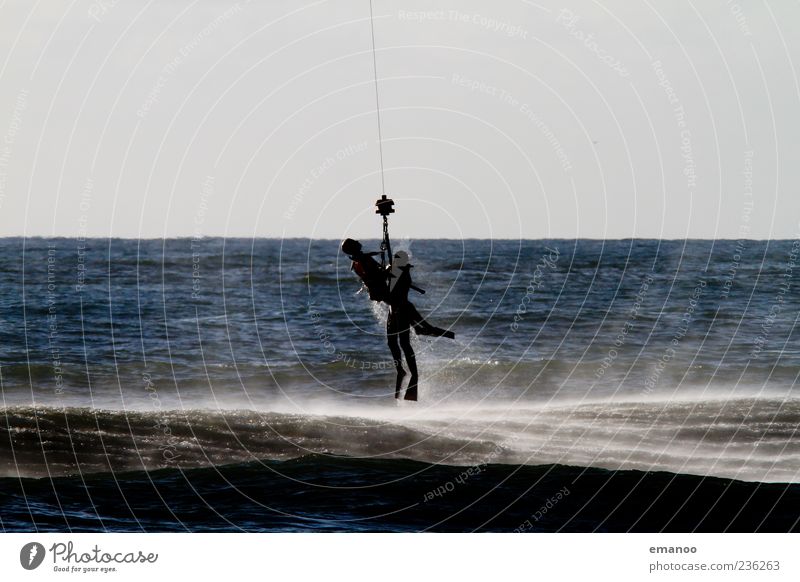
(246, 385)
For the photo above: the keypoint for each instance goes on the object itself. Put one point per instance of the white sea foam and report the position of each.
(751, 439)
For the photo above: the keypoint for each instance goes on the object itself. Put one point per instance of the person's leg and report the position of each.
(422, 327)
(411, 362)
(397, 356)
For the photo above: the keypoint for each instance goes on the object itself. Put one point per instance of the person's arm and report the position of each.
(410, 284)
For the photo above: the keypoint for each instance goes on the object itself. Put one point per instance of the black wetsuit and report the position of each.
(398, 325)
(402, 317)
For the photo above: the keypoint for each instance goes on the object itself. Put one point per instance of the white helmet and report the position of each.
(400, 260)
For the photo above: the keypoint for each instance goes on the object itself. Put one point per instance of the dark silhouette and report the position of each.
(391, 285)
(369, 271)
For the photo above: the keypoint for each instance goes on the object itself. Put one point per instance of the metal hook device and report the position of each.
(385, 207)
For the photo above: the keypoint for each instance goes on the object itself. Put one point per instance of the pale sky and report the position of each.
(508, 119)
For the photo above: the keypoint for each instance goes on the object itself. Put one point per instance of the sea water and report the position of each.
(170, 372)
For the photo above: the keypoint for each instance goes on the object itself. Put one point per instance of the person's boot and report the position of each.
(399, 383)
(446, 333)
(424, 328)
(412, 390)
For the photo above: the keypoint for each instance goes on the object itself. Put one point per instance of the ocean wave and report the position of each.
(751, 439)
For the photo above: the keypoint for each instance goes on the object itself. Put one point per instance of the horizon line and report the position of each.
(239, 237)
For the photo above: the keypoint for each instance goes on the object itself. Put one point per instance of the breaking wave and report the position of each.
(750, 439)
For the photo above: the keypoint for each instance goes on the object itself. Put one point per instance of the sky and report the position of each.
(509, 119)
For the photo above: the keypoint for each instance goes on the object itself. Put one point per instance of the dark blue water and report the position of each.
(240, 384)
